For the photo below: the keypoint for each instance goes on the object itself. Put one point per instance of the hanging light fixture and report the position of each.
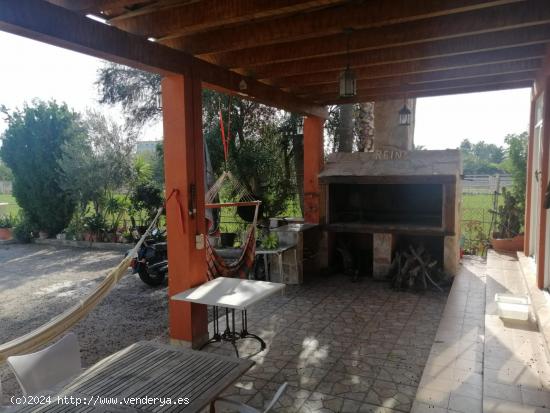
(158, 100)
(405, 114)
(348, 80)
(300, 125)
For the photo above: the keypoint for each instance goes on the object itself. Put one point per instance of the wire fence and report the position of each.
(480, 199)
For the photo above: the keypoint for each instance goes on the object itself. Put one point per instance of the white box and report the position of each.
(515, 307)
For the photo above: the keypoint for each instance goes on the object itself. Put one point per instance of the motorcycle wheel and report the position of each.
(154, 280)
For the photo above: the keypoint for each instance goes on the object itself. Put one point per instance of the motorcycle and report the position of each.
(151, 263)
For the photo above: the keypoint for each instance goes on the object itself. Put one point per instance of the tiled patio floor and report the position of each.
(341, 346)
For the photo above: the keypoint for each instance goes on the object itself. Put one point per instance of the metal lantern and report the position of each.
(405, 116)
(158, 100)
(300, 125)
(348, 83)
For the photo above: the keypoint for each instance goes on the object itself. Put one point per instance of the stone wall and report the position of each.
(388, 134)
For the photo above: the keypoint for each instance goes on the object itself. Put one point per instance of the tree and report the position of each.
(516, 163)
(256, 142)
(98, 166)
(134, 89)
(5, 172)
(345, 129)
(32, 147)
(481, 157)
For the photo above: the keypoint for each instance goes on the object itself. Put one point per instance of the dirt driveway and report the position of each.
(39, 282)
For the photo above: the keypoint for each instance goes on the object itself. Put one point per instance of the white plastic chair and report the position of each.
(48, 368)
(244, 408)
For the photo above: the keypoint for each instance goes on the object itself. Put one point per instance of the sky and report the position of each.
(30, 69)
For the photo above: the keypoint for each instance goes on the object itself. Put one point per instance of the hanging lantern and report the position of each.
(158, 100)
(300, 125)
(348, 80)
(348, 83)
(405, 115)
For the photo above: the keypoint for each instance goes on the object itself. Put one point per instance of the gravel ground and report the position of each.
(39, 282)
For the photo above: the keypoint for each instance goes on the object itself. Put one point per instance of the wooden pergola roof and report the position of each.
(290, 52)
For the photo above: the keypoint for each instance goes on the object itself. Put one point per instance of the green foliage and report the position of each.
(509, 216)
(516, 165)
(147, 196)
(23, 231)
(32, 146)
(98, 166)
(258, 155)
(96, 224)
(5, 172)
(481, 158)
(134, 89)
(7, 221)
(270, 241)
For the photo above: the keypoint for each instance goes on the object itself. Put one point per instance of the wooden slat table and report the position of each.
(151, 370)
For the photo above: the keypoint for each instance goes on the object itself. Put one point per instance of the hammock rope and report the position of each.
(64, 321)
(243, 265)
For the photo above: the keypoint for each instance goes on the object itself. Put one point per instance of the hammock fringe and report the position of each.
(61, 323)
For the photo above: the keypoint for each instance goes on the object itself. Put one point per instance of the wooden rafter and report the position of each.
(180, 20)
(457, 46)
(425, 89)
(427, 77)
(431, 65)
(48, 23)
(387, 95)
(325, 22)
(504, 17)
(89, 6)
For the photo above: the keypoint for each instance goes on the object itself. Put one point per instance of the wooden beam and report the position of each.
(400, 54)
(515, 54)
(55, 25)
(325, 22)
(425, 78)
(184, 19)
(89, 6)
(510, 16)
(398, 93)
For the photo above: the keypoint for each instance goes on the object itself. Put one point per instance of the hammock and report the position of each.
(242, 266)
(58, 325)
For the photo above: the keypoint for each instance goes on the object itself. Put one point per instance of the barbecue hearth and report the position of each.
(396, 194)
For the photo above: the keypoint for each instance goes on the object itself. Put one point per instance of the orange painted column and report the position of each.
(184, 176)
(541, 255)
(313, 163)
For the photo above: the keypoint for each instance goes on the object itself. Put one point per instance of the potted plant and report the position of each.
(7, 222)
(95, 226)
(507, 236)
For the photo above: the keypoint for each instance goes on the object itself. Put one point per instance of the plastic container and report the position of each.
(513, 307)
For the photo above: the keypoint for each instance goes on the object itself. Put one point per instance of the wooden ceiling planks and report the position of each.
(417, 47)
(438, 48)
(510, 16)
(179, 20)
(356, 15)
(426, 77)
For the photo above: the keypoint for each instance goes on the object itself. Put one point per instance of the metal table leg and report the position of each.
(244, 332)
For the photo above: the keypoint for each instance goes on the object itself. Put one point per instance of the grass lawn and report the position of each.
(12, 207)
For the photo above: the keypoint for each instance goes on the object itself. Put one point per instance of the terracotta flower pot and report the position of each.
(508, 244)
(6, 234)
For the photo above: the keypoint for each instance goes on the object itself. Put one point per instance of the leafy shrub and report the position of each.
(24, 230)
(147, 196)
(270, 241)
(7, 221)
(32, 146)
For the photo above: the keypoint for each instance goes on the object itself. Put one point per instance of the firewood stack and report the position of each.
(414, 267)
